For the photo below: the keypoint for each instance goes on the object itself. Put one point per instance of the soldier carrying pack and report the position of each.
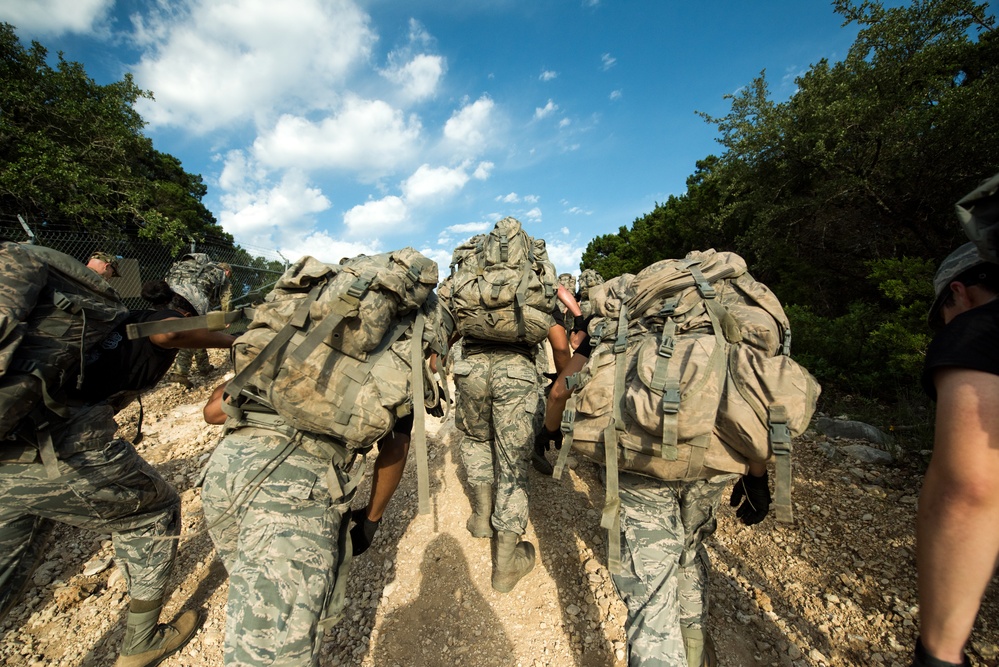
(689, 378)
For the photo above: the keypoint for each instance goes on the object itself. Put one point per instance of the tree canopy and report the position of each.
(72, 153)
(842, 197)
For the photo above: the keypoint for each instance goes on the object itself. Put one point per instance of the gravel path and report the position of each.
(837, 587)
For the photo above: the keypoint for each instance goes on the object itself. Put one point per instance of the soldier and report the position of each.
(94, 480)
(105, 264)
(207, 285)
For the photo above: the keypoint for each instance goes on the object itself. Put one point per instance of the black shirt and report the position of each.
(971, 340)
(120, 364)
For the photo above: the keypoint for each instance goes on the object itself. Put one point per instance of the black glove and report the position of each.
(579, 323)
(757, 498)
(551, 377)
(922, 658)
(437, 410)
(548, 438)
(363, 531)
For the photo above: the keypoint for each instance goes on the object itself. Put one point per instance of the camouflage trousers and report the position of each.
(185, 357)
(97, 482)
(497, 401)
(664, 580)
(278, 532)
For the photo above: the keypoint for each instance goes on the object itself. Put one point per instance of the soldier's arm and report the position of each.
(389, 466)
(566, 297)
(560, 347)
(192, 339)
(213, 408)
(957, 544)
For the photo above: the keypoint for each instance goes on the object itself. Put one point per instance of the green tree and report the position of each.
(72, 153)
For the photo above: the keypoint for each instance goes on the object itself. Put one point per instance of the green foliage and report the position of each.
(72, 153)
(841, 198)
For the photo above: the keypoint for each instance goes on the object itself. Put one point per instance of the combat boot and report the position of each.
(147, 642)
(479, 524)
(512, 560)
(538, 459)
(180, 379)
(698, 647)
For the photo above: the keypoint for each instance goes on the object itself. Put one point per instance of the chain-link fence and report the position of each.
(254, 270)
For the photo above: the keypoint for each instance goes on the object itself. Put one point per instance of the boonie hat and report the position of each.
(108, 259)
(956, 263)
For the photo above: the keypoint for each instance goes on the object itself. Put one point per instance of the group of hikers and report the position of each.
(677, 379)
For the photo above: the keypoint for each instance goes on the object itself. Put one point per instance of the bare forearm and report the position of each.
(956, 556)
(197, 338)
(559, 394)
(566, 297)
(389, 466)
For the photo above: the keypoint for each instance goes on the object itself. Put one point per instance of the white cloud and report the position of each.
(532, 199)
(433, 183)
(565, 122)
(548, 75)
(547, 110)
(483, 170)
(607, 61)
(469, 128)
(366, 136)
(534, 215)
(325, 248)
(210, 64)
(575, 210)
(55, 17)
(260, 213)
(511, 198)
(565, 255)
(615, 94)
(443, 259)
(564, 230)
(418, 77)
(374, 218)
(470, 228)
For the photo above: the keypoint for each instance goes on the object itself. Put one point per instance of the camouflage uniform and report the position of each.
(278, 531)
(185, 357)
(497, 395)
(97, 482)
(664, 580)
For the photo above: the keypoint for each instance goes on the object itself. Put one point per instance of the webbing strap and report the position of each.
(46, 451)
(297, 321)
(671, 419)
(520, 302)
(703, 286)
(337, 602)
(664, 354)
(213, 321)
(611, 516)
(568, 417)
(419, 436)
(780, 444)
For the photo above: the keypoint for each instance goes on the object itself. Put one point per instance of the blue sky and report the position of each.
(333, 127)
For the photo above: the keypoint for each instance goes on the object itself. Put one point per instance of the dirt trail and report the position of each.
(837, 587)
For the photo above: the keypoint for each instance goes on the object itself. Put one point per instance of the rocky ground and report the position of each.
(836, 587)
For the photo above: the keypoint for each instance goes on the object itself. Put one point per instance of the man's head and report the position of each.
(105, 264)
(963, 281)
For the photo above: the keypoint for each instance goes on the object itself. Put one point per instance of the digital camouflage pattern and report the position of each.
(276, 529)
(99, 483)
(186, 357)
(503, 286)
(51, 306)
(664, 577)
(348, 372)
(199, 280)
(497, 402)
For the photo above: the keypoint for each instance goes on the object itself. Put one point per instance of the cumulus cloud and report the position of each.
(565, 122)
(429, 184)
(55, 17)
(546, 110)
(565, 255)
(534, 215)
(325, 248)
(262, 213)
(511, 198)
(548, 75)
(375, 218)
(532, 199)
(607, 61)
(470, 228)
(417, 73)
(468, 129)
(210, 64)
(367, 136)
(615, 94)
(482, 171)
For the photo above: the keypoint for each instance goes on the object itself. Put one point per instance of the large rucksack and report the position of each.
(588, 279)
(689, 377)
(978, 212)
(196, 271)
(503, 286)
(340, 349)
(53, 309)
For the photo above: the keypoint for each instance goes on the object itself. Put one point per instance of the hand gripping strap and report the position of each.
(213, 321)
(780, 444)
